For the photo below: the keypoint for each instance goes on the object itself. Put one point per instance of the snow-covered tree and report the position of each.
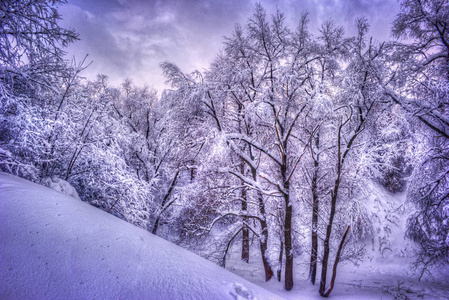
(419, 84)
(32, 69)
(31, 44)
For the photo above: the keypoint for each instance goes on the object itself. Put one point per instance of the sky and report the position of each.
(130, 38)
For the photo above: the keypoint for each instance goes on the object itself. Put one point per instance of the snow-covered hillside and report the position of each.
(53, 246)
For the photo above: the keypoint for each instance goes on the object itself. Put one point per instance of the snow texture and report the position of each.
(56, 247)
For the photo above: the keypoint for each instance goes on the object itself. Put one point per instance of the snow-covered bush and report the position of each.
(60, 185)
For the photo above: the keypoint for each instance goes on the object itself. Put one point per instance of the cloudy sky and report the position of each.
(130, 38)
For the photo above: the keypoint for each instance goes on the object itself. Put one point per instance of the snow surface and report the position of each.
(385, 272)
(53, 246)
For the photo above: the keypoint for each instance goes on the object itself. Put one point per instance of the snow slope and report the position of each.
(54, 246)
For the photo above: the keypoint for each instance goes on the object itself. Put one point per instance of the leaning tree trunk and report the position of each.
(263, 250)
(326, 244)
(337, 260)
(334, 194)
(264, 242)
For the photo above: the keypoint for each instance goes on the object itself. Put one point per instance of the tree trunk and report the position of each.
(315, 210)
(164, 201)
(337, 260)
(228, 246)
(264, 233)
(156, 225)
(263, 250)
(328, 236)
(288, 245)
(245, 230)
(314, 253)
(279, 271)
(264, 241)
(325, 261)
(287, 230)
(334, 195)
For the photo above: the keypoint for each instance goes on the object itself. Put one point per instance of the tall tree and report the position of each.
(419, 84)
(357, 99)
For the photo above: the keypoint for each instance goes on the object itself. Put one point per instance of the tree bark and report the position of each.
(337, 260)
(228, 245)
(315, 210)
(264, 233)
(264, 241)
(164, 201)
(288, 277)
(327, 239)
(334, 195)
(288, 247)
(245, 230)
(263, 249)
(281, 252)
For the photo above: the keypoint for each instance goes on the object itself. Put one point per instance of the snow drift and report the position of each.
(53, 246)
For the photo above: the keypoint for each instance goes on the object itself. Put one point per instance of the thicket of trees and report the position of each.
(274, 143)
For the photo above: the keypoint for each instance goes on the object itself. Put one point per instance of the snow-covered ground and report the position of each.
(53, 246)
(374, 279)
(385, 272)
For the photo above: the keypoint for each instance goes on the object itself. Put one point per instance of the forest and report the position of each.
(272, 149)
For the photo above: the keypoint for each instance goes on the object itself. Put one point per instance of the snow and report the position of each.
(53, 246)
(61, 185)
(371, 280)
(382, 274)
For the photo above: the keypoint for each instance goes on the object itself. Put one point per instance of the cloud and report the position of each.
(130, 38)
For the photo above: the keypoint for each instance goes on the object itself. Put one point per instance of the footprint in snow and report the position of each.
(240, 292)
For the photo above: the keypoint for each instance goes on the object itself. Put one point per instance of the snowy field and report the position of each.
(374, 279)
(54, 246)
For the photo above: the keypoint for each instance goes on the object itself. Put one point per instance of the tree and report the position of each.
(270, 96)
(356, 99)
(419, 84)
(271, 100)
(236, 74)
(333, 47)
(31, 67)
(31, 43)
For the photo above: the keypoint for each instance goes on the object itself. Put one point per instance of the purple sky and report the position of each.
(130, 38)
